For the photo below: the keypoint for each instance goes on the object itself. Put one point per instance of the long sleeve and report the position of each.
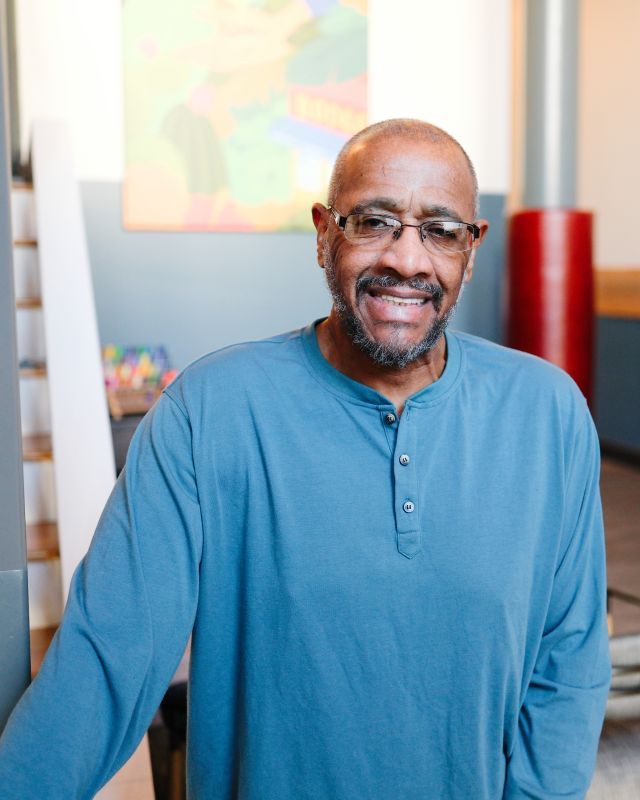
(130, 611)
(561, 716)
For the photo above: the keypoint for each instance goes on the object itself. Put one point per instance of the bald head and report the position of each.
(413, 130)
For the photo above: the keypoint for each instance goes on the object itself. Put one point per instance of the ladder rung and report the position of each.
(33, 372)
(29, 302)
(37, 447)
(42, 541)
(25, 242)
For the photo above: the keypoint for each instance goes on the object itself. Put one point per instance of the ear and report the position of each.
(468, 270)
(320, 220)
(483, 224)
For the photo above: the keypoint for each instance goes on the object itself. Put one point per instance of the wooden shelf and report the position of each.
(618, 293)
(42, 541)
(25, 242)
(33, 372)
(37, 447)
(40, 641)
(28, 302)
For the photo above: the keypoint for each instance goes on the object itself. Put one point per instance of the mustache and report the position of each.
(367, 282)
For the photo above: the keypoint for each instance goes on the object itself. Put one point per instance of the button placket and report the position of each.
(390, 425)
(406, 490)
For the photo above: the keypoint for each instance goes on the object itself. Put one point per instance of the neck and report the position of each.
(395, 384)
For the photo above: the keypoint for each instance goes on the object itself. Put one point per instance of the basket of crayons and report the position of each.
(134, 377)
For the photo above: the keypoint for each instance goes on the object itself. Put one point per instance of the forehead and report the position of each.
(409, 176)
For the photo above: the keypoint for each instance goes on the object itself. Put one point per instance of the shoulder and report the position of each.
(503, 365)
(235, 367)
(240, 355)
(513, 377)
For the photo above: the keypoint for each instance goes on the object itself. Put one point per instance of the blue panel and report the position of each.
(14, 636)
(617, 381)
(481, 308)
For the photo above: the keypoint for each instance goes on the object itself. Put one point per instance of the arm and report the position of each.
(128, 618)
(563, 709)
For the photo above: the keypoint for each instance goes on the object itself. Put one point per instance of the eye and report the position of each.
(369, 226)
(370, 223)
(443, 230)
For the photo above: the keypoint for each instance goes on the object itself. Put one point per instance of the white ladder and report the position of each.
(69, 466)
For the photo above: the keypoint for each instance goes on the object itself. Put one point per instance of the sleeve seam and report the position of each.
(570, 536)
(178, 404)
(185, 415)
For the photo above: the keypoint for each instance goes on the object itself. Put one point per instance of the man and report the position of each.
(386, 539)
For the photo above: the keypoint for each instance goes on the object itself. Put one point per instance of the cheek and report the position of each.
(349, 263)
(451, 275)
(341, 253)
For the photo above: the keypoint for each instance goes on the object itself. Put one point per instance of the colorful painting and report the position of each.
(236, 109)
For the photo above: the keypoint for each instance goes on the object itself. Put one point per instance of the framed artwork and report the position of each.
(236, 109)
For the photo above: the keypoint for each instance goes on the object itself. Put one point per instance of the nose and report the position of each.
(406, 254)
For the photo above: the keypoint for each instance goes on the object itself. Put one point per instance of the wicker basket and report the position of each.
(126, 401)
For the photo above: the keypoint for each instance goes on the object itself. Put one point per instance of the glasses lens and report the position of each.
(360, 227)
(447, 236)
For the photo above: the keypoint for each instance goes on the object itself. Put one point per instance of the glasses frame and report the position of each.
(341, 222)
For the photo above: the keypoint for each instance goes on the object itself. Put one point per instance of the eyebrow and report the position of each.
(390, 204)
(376, 204)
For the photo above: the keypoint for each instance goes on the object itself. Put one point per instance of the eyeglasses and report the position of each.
(437, 235)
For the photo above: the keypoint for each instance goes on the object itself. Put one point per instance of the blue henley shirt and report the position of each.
(382, 608)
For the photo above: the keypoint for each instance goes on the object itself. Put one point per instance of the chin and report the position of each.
(396, 341)
(395, 352)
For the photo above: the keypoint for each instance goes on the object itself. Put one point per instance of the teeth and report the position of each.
(402, 301)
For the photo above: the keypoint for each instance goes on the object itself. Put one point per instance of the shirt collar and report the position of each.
(338, 383)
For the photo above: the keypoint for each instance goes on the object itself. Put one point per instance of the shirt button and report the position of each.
(404, 459)
(408, 507)
(389, 418)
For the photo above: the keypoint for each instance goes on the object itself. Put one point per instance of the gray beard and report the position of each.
(392, 354)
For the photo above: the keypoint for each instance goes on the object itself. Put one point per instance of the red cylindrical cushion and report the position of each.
(550, 289)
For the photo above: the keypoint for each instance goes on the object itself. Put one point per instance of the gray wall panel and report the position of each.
(617, 395)
(14, 610)
(481, 308)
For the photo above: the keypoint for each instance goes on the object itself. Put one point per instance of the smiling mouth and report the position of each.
(415, 293)
(400, 301)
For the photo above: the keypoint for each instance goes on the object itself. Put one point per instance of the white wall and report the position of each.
(70, 67)
(609, 127)
(446, 62)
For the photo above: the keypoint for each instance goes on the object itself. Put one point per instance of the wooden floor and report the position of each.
(620, 487)
(134, 781)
